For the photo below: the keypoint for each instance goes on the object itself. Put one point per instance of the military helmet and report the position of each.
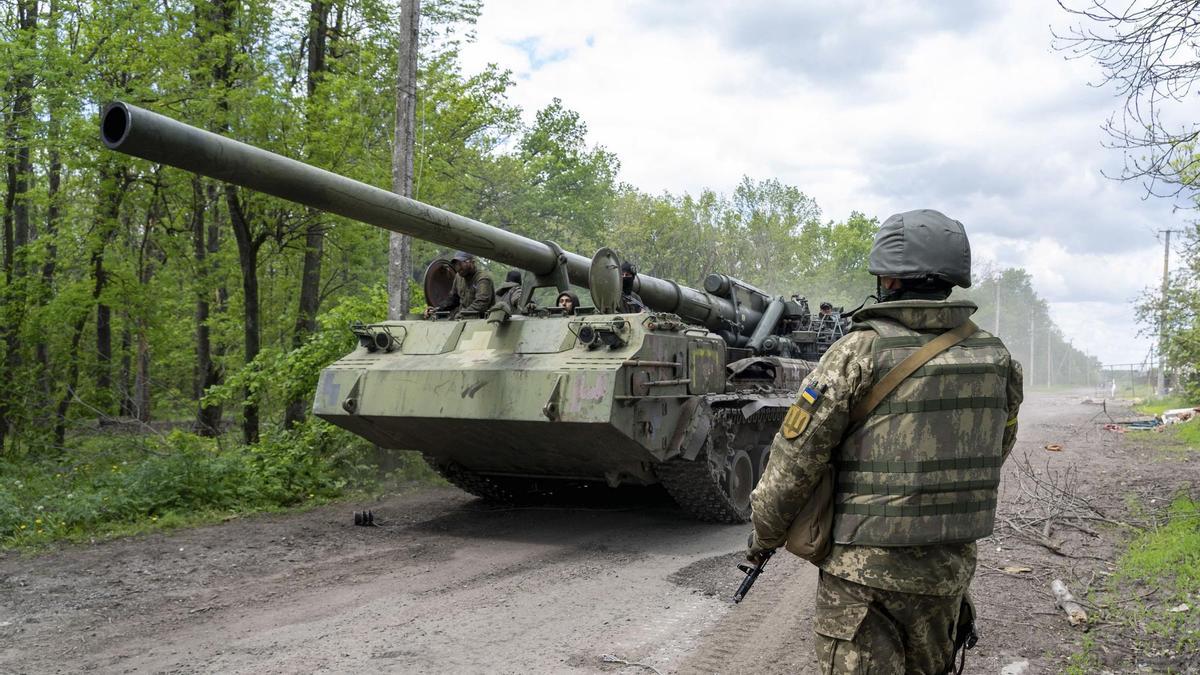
(921, 244)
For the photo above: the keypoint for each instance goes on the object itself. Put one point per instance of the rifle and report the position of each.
(752, 572)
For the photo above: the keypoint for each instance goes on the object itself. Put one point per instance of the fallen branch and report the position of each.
(1067, 603)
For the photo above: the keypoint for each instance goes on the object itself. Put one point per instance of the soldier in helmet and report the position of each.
(473, 291)
(915, 478)
(825, 318)
(631, 302)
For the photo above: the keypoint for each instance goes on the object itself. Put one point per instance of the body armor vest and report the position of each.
(924, 467)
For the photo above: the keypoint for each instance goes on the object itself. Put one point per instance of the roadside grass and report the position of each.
(1159, 405)
(1173, 440)
(107, 485)
(1153, 595)
(1086, 660)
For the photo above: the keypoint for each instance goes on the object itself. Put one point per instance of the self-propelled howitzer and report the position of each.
(688, 394)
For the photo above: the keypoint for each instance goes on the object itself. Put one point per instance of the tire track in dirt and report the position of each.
(769, 631)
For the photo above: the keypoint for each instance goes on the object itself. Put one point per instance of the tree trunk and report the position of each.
(103, 374)
(110, 211)
(314, 234)
(54, 174)
(64, 403)
(400, 246)
(125, 393)
(16, 210)
(136, 395)
(141, 382)
(208, 417)
(247, 247)
(223, 15)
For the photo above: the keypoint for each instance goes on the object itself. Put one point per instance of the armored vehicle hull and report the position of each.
(516, 405)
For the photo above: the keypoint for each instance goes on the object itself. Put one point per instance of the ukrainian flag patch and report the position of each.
(810, 395)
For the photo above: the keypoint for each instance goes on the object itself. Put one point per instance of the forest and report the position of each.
(161, 333)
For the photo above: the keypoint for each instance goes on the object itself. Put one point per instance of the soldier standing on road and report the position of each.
(473, 291)
(915, 479)
(631, 302)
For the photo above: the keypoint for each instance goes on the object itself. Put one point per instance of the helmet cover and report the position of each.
(919, 244)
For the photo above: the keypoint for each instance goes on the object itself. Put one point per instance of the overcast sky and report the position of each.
(878, 107)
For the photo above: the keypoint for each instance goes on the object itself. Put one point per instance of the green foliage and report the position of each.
(279, 375)
(1177, 315)
(1159, 405)
(1189, 434)
(129, 482)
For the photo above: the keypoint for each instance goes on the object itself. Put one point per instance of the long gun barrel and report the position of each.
(727, 306)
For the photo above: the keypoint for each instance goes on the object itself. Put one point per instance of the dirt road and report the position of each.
(448, 583)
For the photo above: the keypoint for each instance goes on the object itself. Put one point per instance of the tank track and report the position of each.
(693, 486)
(518, 491)
(697, 485)
(471, 482)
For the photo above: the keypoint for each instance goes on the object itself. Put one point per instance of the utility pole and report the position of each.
(997, 332)
(400, 245)
(1048, 358)
(1161, 389)
(1032, 336)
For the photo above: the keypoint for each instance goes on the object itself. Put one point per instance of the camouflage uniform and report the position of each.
(879, 608)
(472, 294)
(508, 295)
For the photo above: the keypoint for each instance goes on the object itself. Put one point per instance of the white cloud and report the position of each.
(876, 107)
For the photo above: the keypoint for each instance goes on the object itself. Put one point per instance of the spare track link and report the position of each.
(470, 481)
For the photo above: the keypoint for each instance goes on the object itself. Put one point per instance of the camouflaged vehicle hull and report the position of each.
(523, 409)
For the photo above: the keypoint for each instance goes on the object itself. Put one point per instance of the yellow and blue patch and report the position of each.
(795, 422)
(810, 395)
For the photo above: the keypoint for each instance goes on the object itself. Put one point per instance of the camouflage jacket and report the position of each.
(508, 294)
(846, 372)
(471, 294)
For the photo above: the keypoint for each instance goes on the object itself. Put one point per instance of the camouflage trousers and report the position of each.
(870, 630)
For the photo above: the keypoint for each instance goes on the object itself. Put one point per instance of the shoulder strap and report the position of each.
(908, 366)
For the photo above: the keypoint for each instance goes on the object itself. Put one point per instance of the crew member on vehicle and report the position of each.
(473, 290)
(915, 472)
(508, 293)
(568, 302)
(631, 302)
